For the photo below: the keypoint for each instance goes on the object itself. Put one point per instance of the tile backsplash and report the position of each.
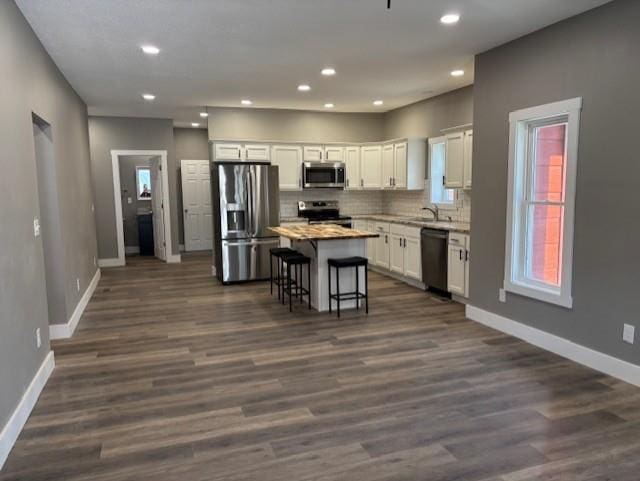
(378, 202)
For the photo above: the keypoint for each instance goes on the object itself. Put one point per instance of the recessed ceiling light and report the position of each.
(328, 71)
(450, 18)
(195, 124)
(150, 49)
(304, 88)
(378, 102)
(329, 105)
(457, 73)
(204, 115)
(148, 96)
(246, 102)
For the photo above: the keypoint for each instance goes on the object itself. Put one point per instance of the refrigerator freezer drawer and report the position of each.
(247, 259)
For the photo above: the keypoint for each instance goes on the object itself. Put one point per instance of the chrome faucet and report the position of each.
(434, 211)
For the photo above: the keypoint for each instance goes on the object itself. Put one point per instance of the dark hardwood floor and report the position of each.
(172, 377)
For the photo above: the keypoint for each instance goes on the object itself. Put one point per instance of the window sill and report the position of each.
(539, 294)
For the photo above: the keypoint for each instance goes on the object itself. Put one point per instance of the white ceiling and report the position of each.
(217, 52)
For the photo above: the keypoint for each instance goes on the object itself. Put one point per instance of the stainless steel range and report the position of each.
(323, 212)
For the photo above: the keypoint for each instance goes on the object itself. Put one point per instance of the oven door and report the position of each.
(323, 175)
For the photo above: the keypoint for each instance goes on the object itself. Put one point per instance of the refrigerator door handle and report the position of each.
(266, 240)
(249, 205)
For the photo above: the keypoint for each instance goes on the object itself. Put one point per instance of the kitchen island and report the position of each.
(323, 242)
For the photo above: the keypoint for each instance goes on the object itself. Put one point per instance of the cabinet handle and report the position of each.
(239, 153)
(400, 242)
(386, 239)
(460, 254)
(361, 183)
(466, 255)
(444, 180)
(405, 243)
(347, 182)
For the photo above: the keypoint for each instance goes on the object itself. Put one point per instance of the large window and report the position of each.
(543, 148)
(442, 197)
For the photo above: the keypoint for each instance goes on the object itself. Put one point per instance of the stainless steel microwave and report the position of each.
(323, 175)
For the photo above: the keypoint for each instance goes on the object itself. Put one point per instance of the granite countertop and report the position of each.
(320, 232)
(462, 227)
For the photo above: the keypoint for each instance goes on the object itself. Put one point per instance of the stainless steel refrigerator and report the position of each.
(246, 202)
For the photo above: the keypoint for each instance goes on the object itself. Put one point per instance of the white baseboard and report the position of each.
(582, 355)
(65, 331)
(16, 422)
(174, 258)
(113, 262)
(398, 277)
(130, 250)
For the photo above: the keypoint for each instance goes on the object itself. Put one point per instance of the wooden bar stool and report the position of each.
(349, 262)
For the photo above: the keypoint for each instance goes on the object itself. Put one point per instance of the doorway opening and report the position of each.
(49, 221)
(141, 195)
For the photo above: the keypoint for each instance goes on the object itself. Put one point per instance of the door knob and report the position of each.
(186, 210)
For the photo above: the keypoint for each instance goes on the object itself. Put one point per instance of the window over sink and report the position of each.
(440, 196)
(543, 150)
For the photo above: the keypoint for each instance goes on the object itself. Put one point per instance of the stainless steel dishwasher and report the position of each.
(434, 258)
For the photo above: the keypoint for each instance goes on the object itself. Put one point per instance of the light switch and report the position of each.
(502, 295)
(36, 227)
(629, 333)
(129, 201)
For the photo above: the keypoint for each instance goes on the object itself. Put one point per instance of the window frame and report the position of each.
(441, 206)
(520, 182)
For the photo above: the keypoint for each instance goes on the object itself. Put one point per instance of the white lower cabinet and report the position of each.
(371, 243)
(382, 244)
(458, 264)
(405, 252)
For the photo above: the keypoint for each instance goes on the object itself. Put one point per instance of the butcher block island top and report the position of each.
(320, 232)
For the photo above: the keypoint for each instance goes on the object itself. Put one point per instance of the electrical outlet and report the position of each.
(38, 338)
(502, 295)
(628, 333)
(78, 283)
(93, 208)
(36, 227)
(94, 261)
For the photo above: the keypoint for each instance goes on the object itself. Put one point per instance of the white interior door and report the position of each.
(196, 205)
(157, 208)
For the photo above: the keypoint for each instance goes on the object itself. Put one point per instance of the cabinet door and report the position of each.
(334, 154)
(400, 167)
(313, 153)
(468, 154)
(255, 152)
(371, 243)
(388, 164)
(352, 160)
(413, 255)
(396, 252)
(454, 161)
(456, 269)
(382, 250)
(228, 151)
(371, 166)
(289, 159)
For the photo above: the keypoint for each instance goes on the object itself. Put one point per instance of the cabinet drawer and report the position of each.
(413, 232)
(457, 239)
(383, 227)
(398, 229)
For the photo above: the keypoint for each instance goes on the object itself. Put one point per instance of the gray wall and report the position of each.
(191, 144)
(593, 56)
(428, 117)
(128, 188)
(126, 133)
(292, 125)
(30, 82)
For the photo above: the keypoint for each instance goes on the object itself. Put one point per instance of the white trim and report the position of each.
(115, 167)
(130, 250)
(174, 258)
(65, 331)
(575, 352)
(514, 255)
(16, 422)
(114, 262)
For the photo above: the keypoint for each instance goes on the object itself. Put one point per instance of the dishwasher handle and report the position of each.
(437, 233)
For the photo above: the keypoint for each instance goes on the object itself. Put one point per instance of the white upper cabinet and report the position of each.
(289, 160)
(454, 163)
(352, 161)
(388, 166)
(313, 153)
(400, 166)
(468, 152)
(334, 154)
(257, 152)
(228, 151)
(371, 166)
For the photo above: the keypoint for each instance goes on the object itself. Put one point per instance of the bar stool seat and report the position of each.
(349, 262)
(296, 288)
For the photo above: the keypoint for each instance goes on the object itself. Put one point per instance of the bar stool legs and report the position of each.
(349, 262)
